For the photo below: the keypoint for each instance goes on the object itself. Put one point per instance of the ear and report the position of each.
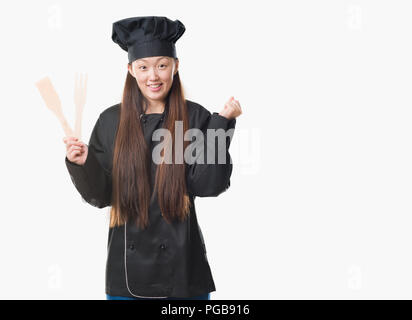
(176, 66)
(130, 69)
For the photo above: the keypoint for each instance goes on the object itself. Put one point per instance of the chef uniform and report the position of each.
(165, 259)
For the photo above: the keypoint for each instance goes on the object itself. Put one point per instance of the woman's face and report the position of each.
(152, 71)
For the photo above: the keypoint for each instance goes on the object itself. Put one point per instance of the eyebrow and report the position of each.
(144, 60)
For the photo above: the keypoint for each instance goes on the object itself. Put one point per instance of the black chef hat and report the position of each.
(147, 36)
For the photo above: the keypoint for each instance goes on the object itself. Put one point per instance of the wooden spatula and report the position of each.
(52, 101)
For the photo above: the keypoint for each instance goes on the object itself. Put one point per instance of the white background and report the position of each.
(320, 198)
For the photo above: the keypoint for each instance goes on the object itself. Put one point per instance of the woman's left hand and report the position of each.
(231, 109)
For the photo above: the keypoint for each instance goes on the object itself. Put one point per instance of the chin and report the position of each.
(155, 96)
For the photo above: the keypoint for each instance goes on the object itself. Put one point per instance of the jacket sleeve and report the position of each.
(91, 179)
(211, 179)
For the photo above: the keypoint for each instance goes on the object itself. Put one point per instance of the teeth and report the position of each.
(155, 86)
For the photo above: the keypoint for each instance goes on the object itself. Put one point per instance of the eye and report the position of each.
(163, 65)
(142, 67)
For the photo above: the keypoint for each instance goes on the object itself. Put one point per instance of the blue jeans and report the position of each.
(205, 296)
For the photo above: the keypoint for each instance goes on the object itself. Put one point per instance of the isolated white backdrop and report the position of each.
(319, 204)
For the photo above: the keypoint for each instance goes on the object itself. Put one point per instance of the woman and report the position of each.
(155, 245)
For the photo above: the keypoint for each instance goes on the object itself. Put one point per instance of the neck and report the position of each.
(155, 107)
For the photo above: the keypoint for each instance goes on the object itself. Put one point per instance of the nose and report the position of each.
(153, 74)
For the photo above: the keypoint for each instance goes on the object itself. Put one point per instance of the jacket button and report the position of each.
(162, 246)
(131, 247)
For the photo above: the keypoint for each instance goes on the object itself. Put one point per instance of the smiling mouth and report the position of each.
(154, 85)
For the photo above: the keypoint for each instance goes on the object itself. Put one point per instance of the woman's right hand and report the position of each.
(76, 151)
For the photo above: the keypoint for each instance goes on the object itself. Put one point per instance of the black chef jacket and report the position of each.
(164, 260)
